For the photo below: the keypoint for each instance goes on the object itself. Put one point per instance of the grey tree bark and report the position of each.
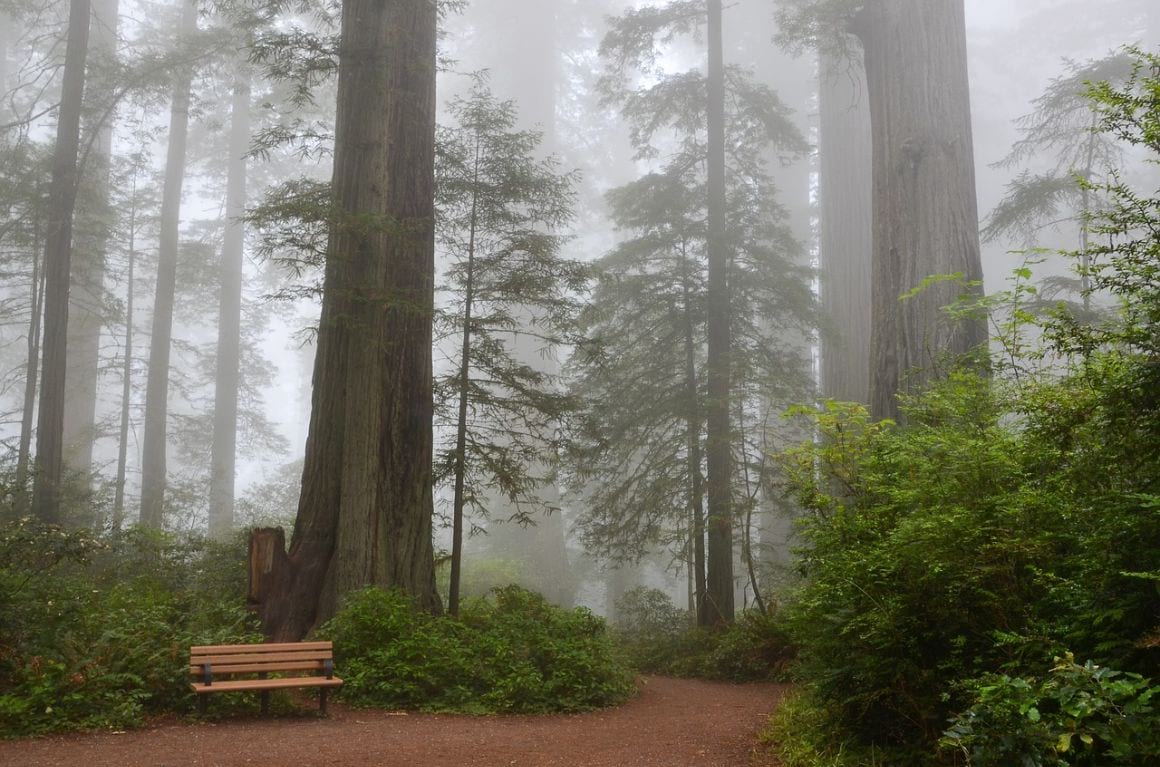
(154, 446)
(32, 367)
(6, 32)
(46, 494)
(227, 381)
(926, 219)
(87, 290)
(459, 500)
(846, 227)
(693, 421)
(366, 508)
(126, 374)
(719, 465)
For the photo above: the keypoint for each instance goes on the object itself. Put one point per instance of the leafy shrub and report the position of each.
(1078, 715)
(756, 647)
(965, 544)
(652, 630)
(1011, 517)
(96, 631)
(513, 652)
(802, 733)
(657, 638)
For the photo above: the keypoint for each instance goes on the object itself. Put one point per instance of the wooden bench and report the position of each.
(255, 663)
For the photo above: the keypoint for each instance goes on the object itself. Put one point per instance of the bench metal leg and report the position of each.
(202, 704)
(322, 691)
(265, 702)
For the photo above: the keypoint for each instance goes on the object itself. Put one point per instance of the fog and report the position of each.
(574, 464)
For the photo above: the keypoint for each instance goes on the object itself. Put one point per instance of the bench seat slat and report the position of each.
(281, 657)
(266, 684)
(257, 668)
(258, 648)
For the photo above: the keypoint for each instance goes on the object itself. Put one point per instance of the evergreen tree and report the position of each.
(155, 443)
(366, 508)
(660, 296)
(57, 264)
(1062, 129)
(500, 211)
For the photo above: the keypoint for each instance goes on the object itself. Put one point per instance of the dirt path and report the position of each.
(672, 723)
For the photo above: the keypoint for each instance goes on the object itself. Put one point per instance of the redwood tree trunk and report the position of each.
(846, 227)
(227, 380)
(366, 508)
(926, 219)
(87, 294)
(154, 446)
(695, 458)
(719, 584)
(57, 258)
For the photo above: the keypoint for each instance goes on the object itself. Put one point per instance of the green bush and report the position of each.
(653, 632)
(96, 631)
(965, 544)
(802, 733)
(1075, 717)
(1013, 515)
(513, 652)
(657, 638)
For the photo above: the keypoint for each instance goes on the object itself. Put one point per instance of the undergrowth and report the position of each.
(511, 652)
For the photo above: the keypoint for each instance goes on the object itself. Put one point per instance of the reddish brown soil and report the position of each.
(671, 723)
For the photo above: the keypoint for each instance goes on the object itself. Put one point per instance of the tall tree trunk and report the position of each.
(153, 463)
(925, 213)
(46, 494)
(28, 412)
(846, 227)
(719, 585)
(227, 382)
(366, 508)
(87, 292)
(126, 374)
(7, 32)
(459, 500)
(694, 454)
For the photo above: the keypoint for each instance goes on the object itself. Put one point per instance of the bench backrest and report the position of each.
(261, 658)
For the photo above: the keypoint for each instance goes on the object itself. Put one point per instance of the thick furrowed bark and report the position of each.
(364, 517)
(846, 228)
(925, 211)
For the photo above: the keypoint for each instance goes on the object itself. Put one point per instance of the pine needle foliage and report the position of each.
(511, 297)
(638, 457)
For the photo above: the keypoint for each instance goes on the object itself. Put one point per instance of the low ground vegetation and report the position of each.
(659, 638)
(511, 652)
(96, 632)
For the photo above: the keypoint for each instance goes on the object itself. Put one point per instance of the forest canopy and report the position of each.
(521, 347)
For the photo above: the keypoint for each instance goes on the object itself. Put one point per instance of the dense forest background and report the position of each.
(810, 338)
